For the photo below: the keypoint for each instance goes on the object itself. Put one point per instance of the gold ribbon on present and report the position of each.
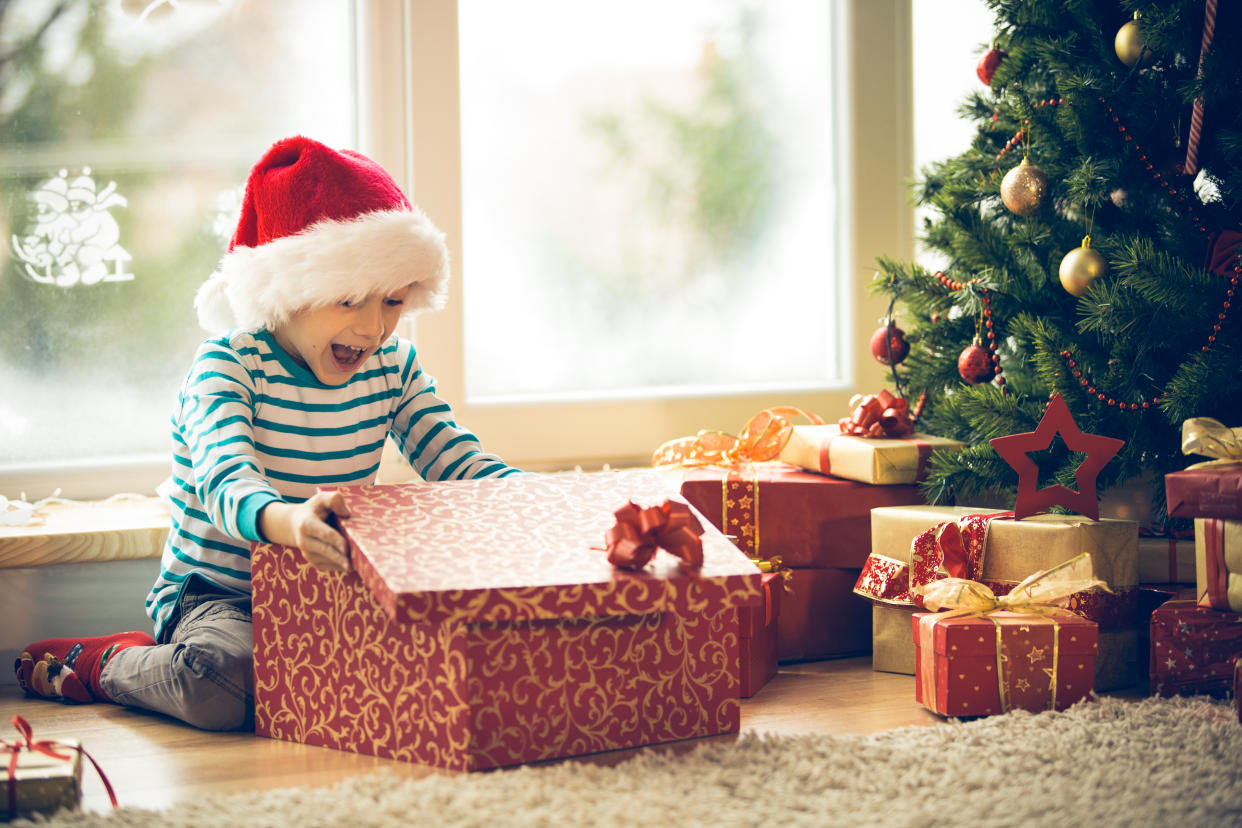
(1037, 594)
(762, 439)
(1211, 438)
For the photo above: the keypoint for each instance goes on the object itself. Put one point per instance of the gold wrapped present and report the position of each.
(877, 460)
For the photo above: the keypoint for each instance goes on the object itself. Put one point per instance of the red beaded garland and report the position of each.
(954, 285)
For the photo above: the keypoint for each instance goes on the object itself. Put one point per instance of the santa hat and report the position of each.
(320, 226)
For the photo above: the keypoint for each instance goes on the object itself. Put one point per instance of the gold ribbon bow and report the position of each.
(762, 439)
(1037, 594)
(1211, 438)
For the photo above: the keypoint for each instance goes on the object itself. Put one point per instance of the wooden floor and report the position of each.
(154, 762)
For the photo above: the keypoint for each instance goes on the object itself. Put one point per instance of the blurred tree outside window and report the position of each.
(127, 129)
(653, 189)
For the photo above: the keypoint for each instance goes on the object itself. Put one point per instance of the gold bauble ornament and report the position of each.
(1130, 44)
(1023, 189)
(1081, 267)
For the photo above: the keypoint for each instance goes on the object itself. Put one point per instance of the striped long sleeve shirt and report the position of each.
(252, 426)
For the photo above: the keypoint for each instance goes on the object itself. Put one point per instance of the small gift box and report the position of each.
(1218, 563)
(1212, 489)
(1193, 649)
(758, 636)
(990, 654)
(876, 445)
(890, 638)
(484, 625)
(875, 460)
(44, 775)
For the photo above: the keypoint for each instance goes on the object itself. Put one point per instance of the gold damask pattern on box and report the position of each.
(484, 627)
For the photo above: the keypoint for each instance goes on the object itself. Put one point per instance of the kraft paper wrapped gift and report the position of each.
(1193, 649)
(1014, 550)
(758, 636)
(890, 638)
(1166, 560)
(882, 461)
(483, 626)
(969, 665)
(1218, 563)
(773, 510)
(42, 776)
(821, 617)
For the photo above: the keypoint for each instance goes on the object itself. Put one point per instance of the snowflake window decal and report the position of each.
(75, 240)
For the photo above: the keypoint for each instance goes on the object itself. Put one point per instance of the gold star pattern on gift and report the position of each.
(1023, 685)
(1036, 654)
(1057, 419)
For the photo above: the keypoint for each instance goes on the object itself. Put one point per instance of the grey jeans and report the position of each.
(203, 673)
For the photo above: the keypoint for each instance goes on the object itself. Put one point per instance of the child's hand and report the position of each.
(305, 525)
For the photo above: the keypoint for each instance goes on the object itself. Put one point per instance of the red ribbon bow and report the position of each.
(47, 747)
(640, 531)
(1223, 248)
(878, 415)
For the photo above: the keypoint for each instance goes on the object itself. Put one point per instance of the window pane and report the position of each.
(650, 198)
(127, 132)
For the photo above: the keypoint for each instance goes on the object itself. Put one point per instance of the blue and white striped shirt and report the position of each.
(253, 426)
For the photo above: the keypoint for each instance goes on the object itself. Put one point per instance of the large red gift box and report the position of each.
(758, 636)
(1193, 649)
(805, 519)
(483, 626)
(972, 665)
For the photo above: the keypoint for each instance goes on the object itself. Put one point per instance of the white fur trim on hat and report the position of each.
(331, 261)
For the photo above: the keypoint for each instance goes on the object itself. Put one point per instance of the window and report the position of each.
(128, 130)
(627, 273)
(679, 270)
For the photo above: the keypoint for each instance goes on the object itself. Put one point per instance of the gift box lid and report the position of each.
(528, 546)
(973, 635)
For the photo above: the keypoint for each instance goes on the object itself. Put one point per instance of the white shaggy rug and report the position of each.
(1154, 762)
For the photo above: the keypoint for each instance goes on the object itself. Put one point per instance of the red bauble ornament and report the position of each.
(975, 364)
(988, 63)
(888, 344)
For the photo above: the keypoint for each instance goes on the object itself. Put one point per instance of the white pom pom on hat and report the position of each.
(320, 226)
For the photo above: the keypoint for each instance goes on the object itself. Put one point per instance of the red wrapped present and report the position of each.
(1218, 563)
(821, 617)
(805, 519)
(758, 636)
(1193, 649)
(1237, 685)
(991, 654)
(1212, 489)
(483, 626)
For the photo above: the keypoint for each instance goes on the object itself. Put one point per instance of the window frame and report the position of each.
(408, 120)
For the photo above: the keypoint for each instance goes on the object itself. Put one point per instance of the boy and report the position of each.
(301, 392)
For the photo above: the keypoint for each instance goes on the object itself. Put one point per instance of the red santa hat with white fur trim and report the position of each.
(320, 226)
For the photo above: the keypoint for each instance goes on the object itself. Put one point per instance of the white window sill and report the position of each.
(86, 531)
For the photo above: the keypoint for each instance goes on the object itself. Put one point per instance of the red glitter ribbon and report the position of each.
(640, 531)
(47, 747)
(878, 415)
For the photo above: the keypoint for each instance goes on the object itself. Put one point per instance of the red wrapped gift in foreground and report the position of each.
(484, 626)
(1020, 651)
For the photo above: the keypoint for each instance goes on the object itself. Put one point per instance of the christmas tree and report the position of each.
(1091, 241)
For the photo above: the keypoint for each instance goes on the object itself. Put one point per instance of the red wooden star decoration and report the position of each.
(1057, 419)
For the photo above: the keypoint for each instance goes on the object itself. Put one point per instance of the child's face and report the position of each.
(334, 340)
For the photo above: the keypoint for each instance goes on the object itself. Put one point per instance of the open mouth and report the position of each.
(348, 358)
